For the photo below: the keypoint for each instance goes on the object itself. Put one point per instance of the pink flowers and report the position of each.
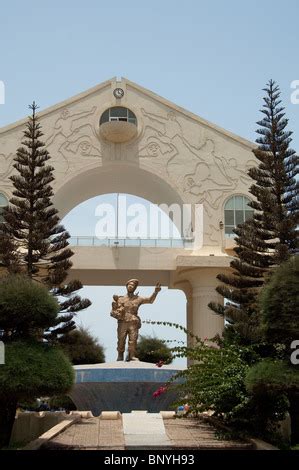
(159, 392)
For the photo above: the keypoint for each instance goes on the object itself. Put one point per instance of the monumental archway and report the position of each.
(118, 177)
(119, 137)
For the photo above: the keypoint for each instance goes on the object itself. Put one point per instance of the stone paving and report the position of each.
(91, 433)
(109, 434)
(197, 434)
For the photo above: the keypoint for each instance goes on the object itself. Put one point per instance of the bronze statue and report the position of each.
(125, 310)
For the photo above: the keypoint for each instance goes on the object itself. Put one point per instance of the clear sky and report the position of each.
(211, 57)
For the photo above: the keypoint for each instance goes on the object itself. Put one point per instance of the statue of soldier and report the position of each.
(125, 310)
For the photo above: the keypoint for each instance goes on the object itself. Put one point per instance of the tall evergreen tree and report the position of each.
(31, 238)
(270, 237)
(275, 189)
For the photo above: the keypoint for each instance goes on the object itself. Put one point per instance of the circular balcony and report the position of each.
(118, 125)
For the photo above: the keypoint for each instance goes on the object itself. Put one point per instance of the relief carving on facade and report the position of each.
(155, 148)
(167, 132)
(6, 165)
(195, 169)
(208, 175)
(74, 139)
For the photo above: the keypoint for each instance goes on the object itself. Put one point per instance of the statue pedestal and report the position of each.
(122, 386)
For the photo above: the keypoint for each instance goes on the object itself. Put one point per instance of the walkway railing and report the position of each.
(132, 242)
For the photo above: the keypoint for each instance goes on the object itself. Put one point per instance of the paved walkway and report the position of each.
(144, 430)
(141, 430)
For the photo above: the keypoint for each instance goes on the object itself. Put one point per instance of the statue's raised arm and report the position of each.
(152, 298)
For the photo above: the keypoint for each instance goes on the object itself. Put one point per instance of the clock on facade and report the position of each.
(118, 93)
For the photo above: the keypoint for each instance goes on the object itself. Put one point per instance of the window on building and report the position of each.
(3, 204)
(118, 113)
(236, 211)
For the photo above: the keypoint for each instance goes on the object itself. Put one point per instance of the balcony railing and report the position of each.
(132, 242)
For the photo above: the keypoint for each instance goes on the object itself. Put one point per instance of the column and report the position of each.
(186, 287)
(203, 282)
(206, 324)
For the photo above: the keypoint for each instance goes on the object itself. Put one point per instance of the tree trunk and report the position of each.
(8, 408)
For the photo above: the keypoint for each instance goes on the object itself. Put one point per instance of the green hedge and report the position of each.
(34, 369)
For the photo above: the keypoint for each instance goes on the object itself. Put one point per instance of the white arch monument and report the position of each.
(120, 137)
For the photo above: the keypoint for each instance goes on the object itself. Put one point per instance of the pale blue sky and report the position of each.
(213, 58)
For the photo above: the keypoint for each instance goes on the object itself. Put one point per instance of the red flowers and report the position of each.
(160, 363)
(159, 392)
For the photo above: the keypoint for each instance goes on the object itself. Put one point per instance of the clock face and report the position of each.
(118, 93)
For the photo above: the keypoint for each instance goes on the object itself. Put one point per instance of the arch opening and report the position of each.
(106, 180)
(126, 220)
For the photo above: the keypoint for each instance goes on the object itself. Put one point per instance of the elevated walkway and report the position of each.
(96, 261)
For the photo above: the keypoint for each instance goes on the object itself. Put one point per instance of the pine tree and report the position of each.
(270, 237)
(276, 188)
(31, 239)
